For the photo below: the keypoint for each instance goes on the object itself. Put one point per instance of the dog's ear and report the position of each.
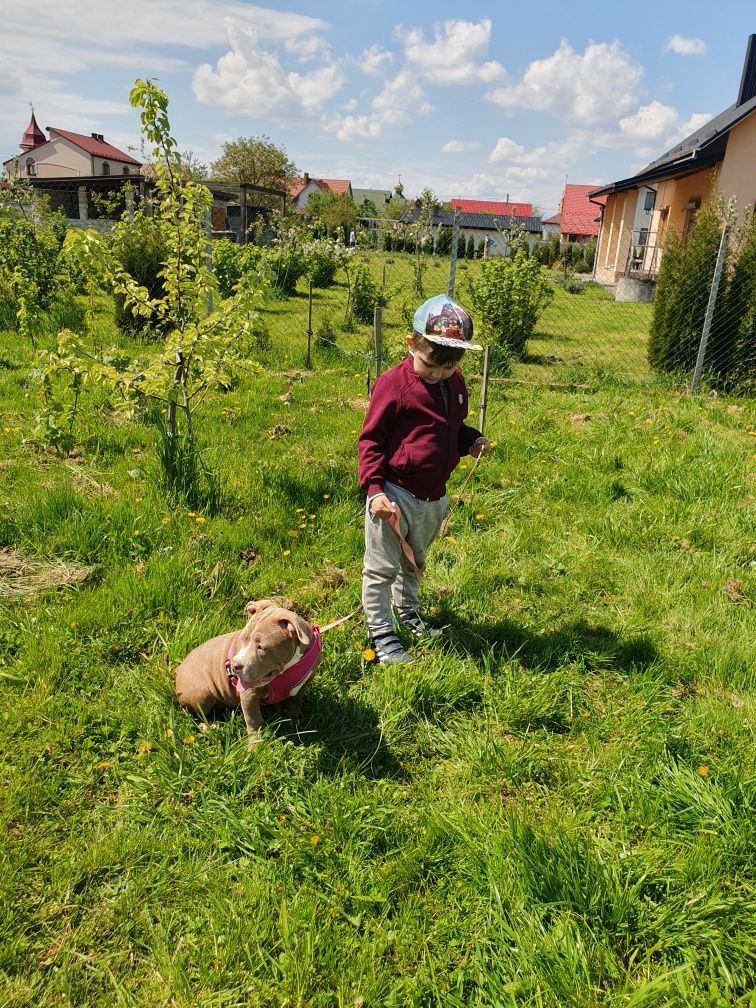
(253, 608)
(297, 628)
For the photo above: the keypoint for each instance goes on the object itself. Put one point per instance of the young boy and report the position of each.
(412, 439)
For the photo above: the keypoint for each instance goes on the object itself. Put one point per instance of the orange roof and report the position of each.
(578, 215)
(339, 186)
(492, 207)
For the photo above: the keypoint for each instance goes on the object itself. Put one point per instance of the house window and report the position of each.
(643, 237)
(106, 168)
(31, 166)
(648, 205)
(125, 169)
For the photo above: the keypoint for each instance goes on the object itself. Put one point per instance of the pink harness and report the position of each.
(291, 680)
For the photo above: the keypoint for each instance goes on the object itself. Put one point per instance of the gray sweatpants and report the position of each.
(387, 575)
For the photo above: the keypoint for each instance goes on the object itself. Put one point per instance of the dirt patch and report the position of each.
(21, 576)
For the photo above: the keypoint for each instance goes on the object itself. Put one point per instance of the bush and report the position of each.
(325, 335)
(366, 294)
(140, 247)
(227, 265)
(509, 295)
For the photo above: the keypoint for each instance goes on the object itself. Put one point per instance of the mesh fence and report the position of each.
(630, 332)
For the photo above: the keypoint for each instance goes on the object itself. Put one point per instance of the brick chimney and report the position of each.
(748, 80)
(306, 178)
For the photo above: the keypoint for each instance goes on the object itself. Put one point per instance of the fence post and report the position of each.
(377, 327)
(697, 371)
(242, 214)
(309, 323)
(484, 391)
(453, 259)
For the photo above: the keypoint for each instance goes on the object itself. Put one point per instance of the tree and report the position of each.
(254, 161)
(336, 212)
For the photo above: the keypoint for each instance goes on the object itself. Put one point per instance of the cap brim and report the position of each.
(460, 344)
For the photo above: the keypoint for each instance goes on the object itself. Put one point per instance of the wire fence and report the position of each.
(625, 333)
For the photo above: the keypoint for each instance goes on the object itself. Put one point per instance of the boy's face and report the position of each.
(427, 368)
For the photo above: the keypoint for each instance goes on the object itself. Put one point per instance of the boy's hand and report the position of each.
(480, 447)
(381, 507)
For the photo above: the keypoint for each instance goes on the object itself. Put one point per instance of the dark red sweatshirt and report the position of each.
(408, 439)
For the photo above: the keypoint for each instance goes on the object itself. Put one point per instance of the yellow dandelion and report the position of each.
(513, 422)
(479, 517)
(326, 496)
(168, 733)
(303, 525)
(137, 532)
(648, 420)
(368, 654)
(286, 552)
(463, 465)
(137, 500)
(310, 516)
(199, 519)
(189, 740)
(300, 510)
(631, 413)
(292, 533)
(333, 912)
(314, 840)
(104, 765)
(494, 443)
(703, 771)
(136, 451)
(165, 519)
(191, 514)
(144, 746)
(451, 540)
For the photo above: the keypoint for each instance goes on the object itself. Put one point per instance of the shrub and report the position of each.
(227, 265)
(140, 247)
(509, 295)
(325, 335)
(366, 294)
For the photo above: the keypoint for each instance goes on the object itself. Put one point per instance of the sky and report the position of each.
(484, 100)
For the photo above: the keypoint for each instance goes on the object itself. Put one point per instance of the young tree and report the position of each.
(335, 211)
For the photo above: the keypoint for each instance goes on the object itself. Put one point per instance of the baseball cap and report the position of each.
(443, 321)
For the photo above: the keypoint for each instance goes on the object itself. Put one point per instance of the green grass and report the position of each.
(553, 807)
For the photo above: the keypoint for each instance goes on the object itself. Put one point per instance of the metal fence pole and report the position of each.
(309, 324)
(484, 391)
(377, 329)
(709, 312)
(453, 259)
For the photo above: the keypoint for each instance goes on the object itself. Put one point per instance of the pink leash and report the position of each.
(394, 522)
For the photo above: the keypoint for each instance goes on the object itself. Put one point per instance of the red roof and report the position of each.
(93, 146)
(579, 216)
(339, 186)
(491, 207)
(554, 219)
(33, 136)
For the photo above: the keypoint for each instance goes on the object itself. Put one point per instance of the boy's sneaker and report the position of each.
(389, 650)
(416, 625)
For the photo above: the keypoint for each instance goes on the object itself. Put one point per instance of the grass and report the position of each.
(554, 806)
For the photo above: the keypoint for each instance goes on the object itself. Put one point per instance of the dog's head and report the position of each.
(272, 639)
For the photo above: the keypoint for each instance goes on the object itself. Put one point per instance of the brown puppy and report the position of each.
(236, 669)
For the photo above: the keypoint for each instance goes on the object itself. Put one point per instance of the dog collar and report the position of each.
(288, 682)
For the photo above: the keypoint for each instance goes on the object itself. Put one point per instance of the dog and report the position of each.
(269, 661)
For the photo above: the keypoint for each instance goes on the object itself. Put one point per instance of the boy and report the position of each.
(412, 439)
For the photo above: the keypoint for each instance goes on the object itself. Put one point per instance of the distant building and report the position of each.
(67, 155)
(378, 197)
(299, 190)
(578, 217)
(498, 209)
(488, 231)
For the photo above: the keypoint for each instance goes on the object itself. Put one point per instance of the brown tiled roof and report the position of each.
(92, 145)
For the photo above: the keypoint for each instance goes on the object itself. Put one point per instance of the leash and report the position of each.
(394, 522)
(338, 622)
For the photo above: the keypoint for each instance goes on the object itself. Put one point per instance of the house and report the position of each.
(67, 155)
(577, 218)
(299, 190)
(506, 209)
(378, 197)
(669, 191)
(488, 231)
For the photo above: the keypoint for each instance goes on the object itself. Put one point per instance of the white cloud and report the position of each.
(460, 146)
(651, 122)
(587, 88)
(401, 100)
(456, 56)
(250, 80)
(373, 60)
(687, 46)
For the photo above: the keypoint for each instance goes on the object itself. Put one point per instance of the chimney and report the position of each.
(748, 80)
(94, 136)
(306, 178)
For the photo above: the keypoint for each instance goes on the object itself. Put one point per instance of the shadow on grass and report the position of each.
(595, 645)
(347, 732)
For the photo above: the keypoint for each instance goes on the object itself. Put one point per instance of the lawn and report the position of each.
(554, 806)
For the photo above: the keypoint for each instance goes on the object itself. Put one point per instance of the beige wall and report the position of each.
(737, 176)
(615, 237)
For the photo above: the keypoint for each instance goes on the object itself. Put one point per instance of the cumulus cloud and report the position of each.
(400, 101)
(248, 78)
(455, 56)
(650, 131)
(460, 146)
(587, 88)
(374, 60)
(687, 46)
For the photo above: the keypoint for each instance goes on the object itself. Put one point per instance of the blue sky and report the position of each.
(481, 100)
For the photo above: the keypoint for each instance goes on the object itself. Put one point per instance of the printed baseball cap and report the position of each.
(443, 321)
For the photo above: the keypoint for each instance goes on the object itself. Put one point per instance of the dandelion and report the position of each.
(451, 539)
(479, 517)
(303, 525)
(138, 500)
(199, 519)
(292, 533)
(314, 840)
(136, 451)
(326, 496)
(165, 519)
(104, 765)
(648, 420)
(494, 443)
(368, 654)
(300, 510)
(168, 733)
(286, 552)
(311, 517)
(463, 465)
(189, 740)
(144, 747)
(137, 532)
(191, 514)
(333, 912)
(703, 771)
